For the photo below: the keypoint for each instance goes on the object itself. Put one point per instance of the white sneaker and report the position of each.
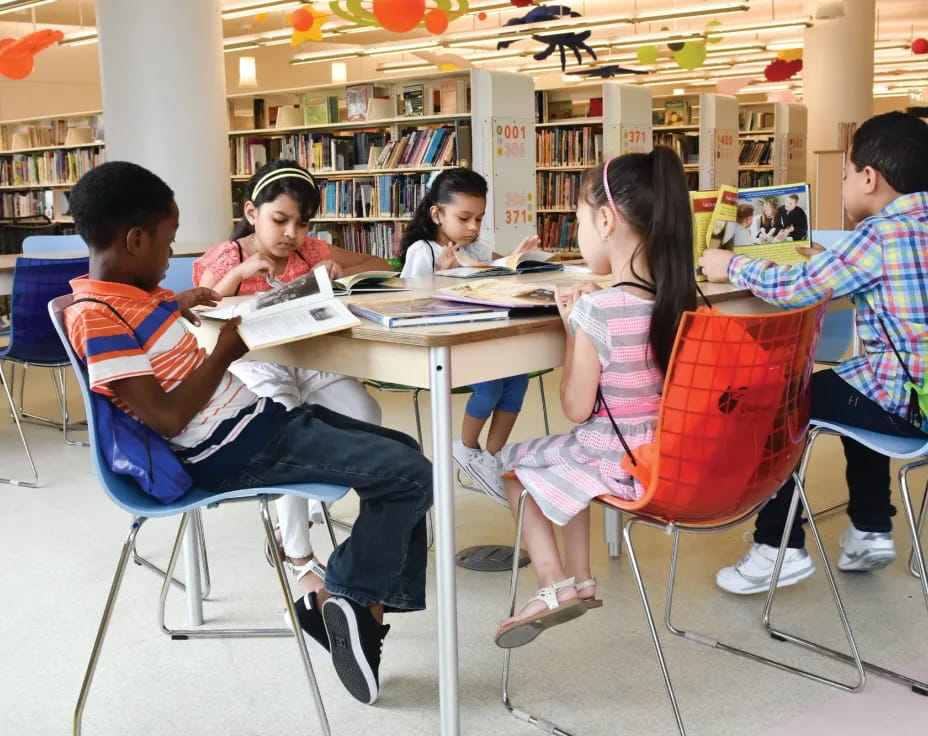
(464, 455)
(863, 551)
(485, 469)
(753, 572)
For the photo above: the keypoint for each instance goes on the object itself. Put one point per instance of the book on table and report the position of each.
(368, 281)
(417, 311)
(501, 293)
(511, 265)
(305, 307)
(760, 222)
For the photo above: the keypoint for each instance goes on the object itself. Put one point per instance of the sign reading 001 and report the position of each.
(513, 144)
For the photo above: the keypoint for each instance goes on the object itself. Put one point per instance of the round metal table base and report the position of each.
(489, 558)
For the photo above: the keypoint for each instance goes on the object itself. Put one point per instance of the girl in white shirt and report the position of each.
(443, 228)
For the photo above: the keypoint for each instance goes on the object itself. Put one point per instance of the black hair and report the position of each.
(650, 192)
(115, 197)
(447, 184)
(304, 193)
(896, 145)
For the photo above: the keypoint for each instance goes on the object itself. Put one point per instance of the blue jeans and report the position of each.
(505, 394)
(384, 559)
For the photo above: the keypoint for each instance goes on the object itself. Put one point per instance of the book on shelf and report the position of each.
(320, 109)
(358, 98)
(452, 96)
(367, 281)
(511, 265)
(305, 307)
(413, 100)
(676, 112)
(761, 222)
(501, 293)
(418, 311)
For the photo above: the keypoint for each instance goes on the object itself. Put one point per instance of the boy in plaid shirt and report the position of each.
(882, 268)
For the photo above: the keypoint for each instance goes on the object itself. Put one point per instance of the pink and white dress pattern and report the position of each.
(564, 472)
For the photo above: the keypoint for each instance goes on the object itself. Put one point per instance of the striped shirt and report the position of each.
(160, 345)
(882, 267)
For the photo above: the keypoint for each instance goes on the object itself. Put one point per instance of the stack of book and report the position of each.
(568, 146)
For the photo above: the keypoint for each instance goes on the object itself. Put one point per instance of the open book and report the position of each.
(367, 281)
(514, 263)
(509, 294)
(423, 311)
(305, 307)
(761, 222)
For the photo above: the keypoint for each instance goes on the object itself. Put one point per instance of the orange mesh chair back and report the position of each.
(733, 419)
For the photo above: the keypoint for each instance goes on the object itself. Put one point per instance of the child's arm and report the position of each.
(419, 261)
(528, 243)
(168, 412)
(227, 284)
(582, 368)
(351, 263)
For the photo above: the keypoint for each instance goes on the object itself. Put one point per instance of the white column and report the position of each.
(164, 107)
(837, 75)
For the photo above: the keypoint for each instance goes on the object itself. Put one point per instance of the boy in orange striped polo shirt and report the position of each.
(139, 353)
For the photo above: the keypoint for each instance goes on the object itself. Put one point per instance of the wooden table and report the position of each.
(439, 358)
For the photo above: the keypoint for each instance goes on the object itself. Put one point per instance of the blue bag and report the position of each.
(132, 448)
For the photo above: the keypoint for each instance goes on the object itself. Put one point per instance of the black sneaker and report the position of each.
(311, 623)
(355, 640)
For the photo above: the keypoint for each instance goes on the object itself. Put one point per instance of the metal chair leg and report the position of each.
(914, 526)
(920, 527)
(104, 623)
(612, 530)
(22, 437)
(544, 403)
(65, 414)
(204, 561)
(429, 521)
(516, 712)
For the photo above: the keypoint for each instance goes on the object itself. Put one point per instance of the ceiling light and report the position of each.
(247, 72)
(81, 38)
(255, 8)
(399, 48)
(326, 56)
(11, 6)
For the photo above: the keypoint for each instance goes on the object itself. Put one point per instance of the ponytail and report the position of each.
(447, 184)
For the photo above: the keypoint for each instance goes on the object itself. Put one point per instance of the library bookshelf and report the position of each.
(41, 159)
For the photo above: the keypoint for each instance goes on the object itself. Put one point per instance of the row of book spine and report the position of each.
(390, 195)
(686, 146)
(557, 189)
(754, 120)
(747, 179)
(25, 204)
(48, 167)
(425, 147)
(558, 231)
(568, 146)
(381, 239)
(755, 152)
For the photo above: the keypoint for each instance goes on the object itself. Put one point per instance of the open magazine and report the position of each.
(514, 263)
(497, 293)
(761, 222)
(417, 311)
(305, 307)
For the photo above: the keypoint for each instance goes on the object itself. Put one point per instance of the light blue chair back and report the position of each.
(838, 330)
(45, 244)
(180, 274)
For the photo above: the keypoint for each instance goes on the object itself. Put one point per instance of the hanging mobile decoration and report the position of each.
(17, 55)
(920, 46)
(306, 22)
(400, 16)
(688, 54)
(576, 42)
(606, 71)
(779, 70)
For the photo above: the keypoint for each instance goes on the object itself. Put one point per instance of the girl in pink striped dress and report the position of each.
(634, 224)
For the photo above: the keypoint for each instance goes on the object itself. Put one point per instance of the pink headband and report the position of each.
(615, 210)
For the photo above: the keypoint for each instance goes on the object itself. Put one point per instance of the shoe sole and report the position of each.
(868, 562)
(315, 648)
(763, 588)
(523, 632)
(348, 658)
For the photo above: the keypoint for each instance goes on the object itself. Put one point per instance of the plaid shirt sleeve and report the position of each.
(853, 265)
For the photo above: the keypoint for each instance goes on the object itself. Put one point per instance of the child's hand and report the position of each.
(331, 268)
(714, 263)
(811, 250)
(528, 243)
(566, 296)
(198, 297)
(255, 264)
(229, 345)
(448, 258)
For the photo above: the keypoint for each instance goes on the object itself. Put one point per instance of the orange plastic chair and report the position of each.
(732, 426)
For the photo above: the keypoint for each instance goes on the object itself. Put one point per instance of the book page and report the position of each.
(497, 292)
(300, 321)
(702, 205)
(773, 222)
(514, 259)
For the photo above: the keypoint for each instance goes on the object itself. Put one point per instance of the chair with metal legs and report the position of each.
(126, 494)
(692, 481)
(33, 340)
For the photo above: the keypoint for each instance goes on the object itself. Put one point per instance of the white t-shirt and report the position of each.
(422, 257)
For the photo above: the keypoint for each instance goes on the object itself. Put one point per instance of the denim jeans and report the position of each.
(867, 473)
(384, 559)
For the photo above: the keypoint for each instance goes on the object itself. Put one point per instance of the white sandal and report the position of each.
(522, 632)
(311, 566)
(592, 601)
(280, 548)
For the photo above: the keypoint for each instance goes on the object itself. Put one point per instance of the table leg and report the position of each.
(192, 568)
(442, 477)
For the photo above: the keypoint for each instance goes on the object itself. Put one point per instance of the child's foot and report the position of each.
(309, 573)
(356, 642)
(486, 470)
(586, 591)
(463, 455)
(310, 622)
(551, 605)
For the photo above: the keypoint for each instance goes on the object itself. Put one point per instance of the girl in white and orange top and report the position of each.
(270, 246)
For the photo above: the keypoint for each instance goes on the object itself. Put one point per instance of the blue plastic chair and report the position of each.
(45, 244)
(127, 495)
(915, 450)
(179, 276)
(33, 340)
